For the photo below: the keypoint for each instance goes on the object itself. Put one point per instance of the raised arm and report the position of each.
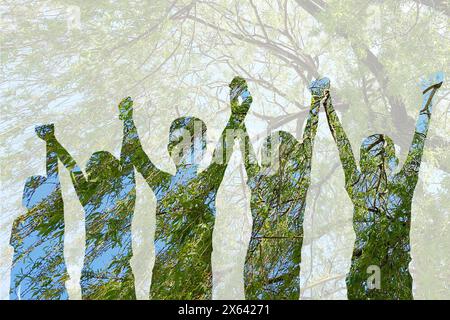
(51, 155)
(346, 156)
(240, 99)
(250, 161)
(412, 163)
(132, 151)
(318, 88)
(55, 149)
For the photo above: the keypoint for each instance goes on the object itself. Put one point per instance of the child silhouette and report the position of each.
(39, 271)
(272, 269)
(382, 201)
(186, 200)
(107, 194)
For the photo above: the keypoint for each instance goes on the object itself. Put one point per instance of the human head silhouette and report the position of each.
(377, 154)
(102, 166)
(278, 149)
(187, 141)
(126, 109)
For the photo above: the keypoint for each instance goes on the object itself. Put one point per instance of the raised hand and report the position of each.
(126, 109)
(320, 87)
(433, 82)
(46, 131)
(239, 89)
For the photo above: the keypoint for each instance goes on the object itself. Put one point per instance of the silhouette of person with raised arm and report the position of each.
(107, 194)
(382, 200)
(39, 270)
(272, 269)
(186, 201)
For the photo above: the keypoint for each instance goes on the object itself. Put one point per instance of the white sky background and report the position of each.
(72, 70)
